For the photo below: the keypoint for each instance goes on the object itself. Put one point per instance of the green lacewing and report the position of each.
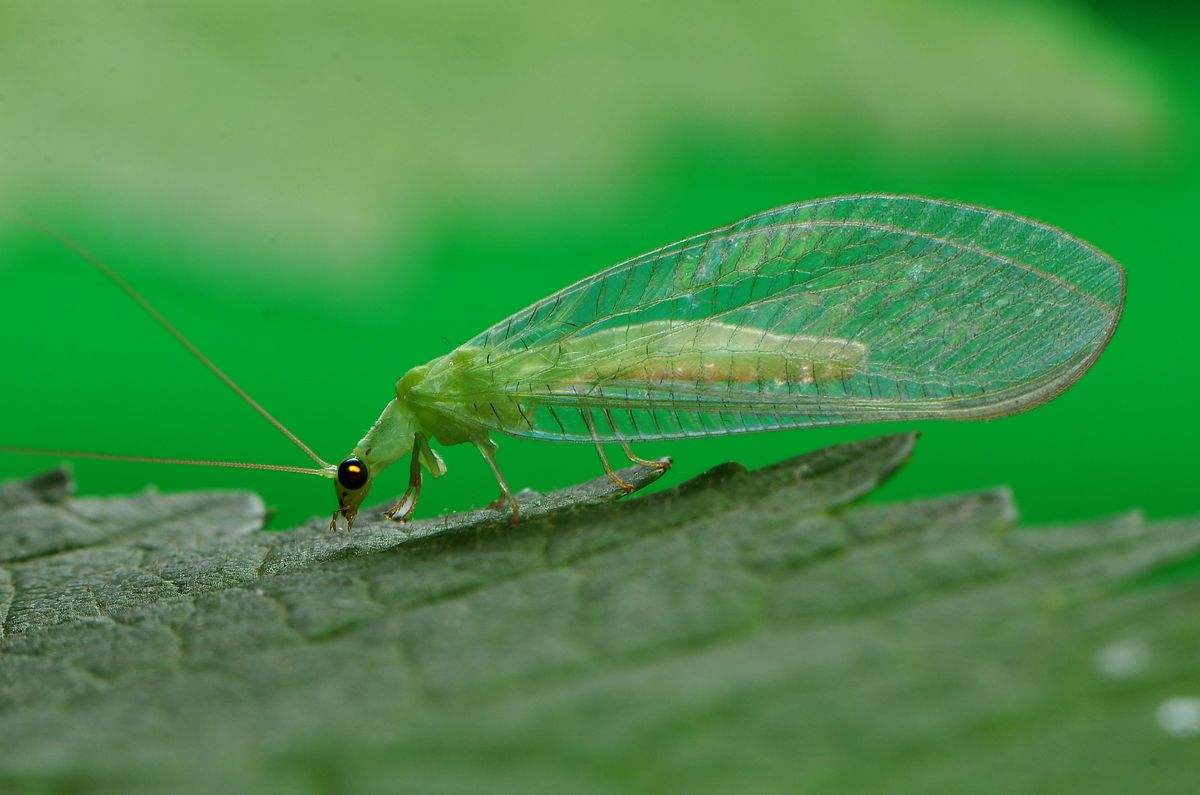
(841, 310)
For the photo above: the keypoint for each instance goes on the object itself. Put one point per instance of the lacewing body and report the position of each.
(842, 310)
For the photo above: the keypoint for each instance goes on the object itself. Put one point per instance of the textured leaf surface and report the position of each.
(743, 631)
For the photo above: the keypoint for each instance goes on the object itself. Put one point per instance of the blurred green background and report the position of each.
(323, 196)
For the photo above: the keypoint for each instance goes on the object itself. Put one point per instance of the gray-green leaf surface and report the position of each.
(752, 631)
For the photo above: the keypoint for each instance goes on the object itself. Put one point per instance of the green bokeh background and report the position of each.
(324, 197)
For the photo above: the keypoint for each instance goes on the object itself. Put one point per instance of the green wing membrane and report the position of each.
(851, 309)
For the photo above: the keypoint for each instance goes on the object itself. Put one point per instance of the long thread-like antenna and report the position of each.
(145, 459)
(149, 308)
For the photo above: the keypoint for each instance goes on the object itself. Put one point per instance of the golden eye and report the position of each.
(352, 474)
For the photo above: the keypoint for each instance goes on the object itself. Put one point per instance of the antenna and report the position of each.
(107, 272)
(145, 459)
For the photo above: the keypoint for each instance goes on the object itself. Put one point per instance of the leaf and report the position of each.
(745, 631)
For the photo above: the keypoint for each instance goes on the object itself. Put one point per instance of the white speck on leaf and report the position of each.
(1179, 717)
(1122, 659)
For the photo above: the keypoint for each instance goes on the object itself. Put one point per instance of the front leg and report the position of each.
(402, 509)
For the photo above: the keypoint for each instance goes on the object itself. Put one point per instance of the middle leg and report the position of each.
(487, 448)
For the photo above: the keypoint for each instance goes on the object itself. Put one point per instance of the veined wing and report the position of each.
(850, 309)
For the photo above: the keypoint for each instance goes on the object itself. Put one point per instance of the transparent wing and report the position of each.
(850, 309)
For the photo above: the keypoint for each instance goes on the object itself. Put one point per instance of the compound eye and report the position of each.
(352, 474)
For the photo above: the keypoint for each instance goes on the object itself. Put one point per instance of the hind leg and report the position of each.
(622, 484)
(661, 464)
